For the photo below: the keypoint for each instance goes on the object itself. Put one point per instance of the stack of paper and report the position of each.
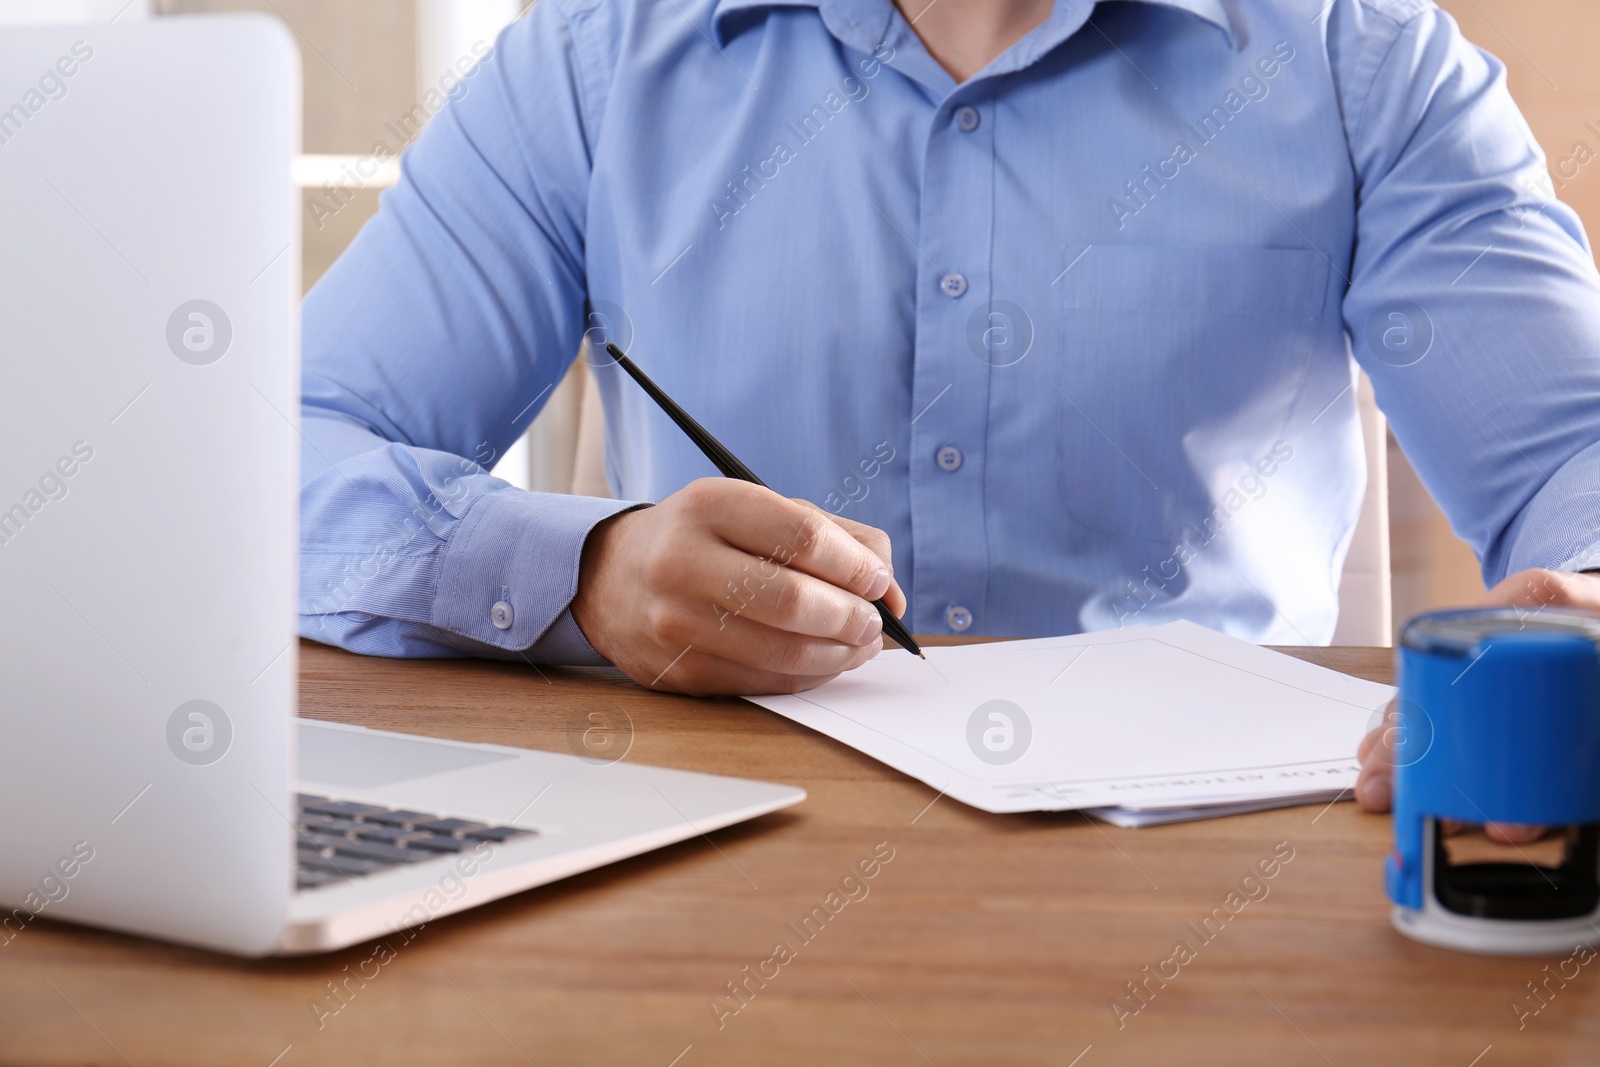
(1138, 726)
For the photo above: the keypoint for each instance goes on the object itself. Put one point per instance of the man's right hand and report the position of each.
(726, 587)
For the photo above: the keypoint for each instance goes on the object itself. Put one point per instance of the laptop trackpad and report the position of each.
(358, 759)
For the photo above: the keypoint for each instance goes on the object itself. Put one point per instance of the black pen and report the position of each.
(729, 465)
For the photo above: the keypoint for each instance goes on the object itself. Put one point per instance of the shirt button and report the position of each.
(501, 615)
(958, 618)
(966, 119)
(953, 285)
(949, 458)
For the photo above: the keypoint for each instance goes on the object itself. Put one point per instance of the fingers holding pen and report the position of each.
(764, 592)
(876, 542)
(725, 586)
(799, 536)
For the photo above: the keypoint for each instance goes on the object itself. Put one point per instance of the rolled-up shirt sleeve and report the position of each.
(1474, 303)
(428, 348)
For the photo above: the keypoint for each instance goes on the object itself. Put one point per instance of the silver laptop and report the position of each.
(153, 776)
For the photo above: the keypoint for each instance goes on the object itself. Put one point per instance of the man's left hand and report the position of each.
(1532, 589)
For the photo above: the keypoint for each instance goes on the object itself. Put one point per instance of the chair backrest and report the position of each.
(589, 466)
(1366, 607)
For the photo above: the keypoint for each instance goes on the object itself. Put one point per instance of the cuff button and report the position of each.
(501, 615)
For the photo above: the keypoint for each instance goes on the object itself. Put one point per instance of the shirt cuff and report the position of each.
(564, 645)
(509, 572)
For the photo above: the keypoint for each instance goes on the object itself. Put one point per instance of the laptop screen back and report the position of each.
(149, 274)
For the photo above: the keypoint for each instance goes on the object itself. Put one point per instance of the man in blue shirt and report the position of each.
(1048, 310)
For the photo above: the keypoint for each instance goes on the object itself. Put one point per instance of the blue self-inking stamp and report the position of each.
(1499, 721)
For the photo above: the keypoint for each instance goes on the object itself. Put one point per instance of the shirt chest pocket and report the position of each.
(1177, 366)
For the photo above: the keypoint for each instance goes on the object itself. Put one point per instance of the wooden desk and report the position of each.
(986, 940)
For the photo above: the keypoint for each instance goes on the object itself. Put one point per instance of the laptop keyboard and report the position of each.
(343, 839)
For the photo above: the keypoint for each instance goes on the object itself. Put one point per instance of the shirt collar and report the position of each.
(856, 21)
(859, 23)
(1212, 11)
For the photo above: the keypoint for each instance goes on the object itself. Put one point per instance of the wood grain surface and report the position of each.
(982, 939)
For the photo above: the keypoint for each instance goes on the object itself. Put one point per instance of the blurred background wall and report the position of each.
(368, 63)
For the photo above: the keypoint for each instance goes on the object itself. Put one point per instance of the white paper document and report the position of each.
(1135, 818)
(1159, 723)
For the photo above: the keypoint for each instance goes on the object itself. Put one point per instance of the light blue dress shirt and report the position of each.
(1078, 332)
